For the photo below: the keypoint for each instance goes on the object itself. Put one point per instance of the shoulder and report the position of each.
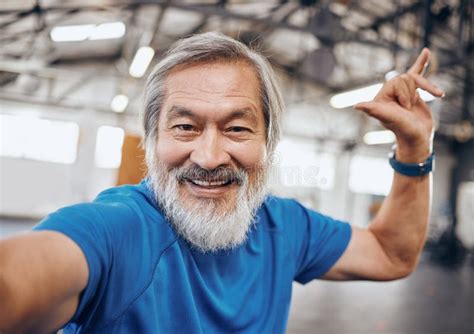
(132, 211)
(116, 216)
(279, 207)
(111, 208)
(128, 204)
(275, 203)
(283, 212)
(316, 240)
(126, 199)
(293, 217)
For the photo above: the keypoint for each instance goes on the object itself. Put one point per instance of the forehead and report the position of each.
(223, 85)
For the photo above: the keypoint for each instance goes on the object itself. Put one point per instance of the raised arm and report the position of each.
(390, 247)
(41, 277)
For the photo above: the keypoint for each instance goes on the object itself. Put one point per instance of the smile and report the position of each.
(208, 184)
(209, 189)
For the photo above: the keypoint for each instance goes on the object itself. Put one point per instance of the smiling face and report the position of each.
(211, 152)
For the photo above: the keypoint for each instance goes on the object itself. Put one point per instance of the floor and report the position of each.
(433, 300)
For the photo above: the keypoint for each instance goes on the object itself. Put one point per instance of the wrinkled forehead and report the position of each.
(227, 85)
(228, 71)
(215, 61)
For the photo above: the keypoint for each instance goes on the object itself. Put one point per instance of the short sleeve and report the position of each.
(85, 226)
(321, 240)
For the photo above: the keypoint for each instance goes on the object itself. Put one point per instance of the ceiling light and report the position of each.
(110, 30)
(119, 103)
(379, 137)
(141, 61)
(425, 96)
(390, 75)
(347, 99)
(83, 32)
(75, 33)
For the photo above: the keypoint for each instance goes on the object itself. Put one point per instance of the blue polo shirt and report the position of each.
(143, 278)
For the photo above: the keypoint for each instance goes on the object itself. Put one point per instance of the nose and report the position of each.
(209, 152)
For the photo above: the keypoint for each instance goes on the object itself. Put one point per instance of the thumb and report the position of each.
(377, 110)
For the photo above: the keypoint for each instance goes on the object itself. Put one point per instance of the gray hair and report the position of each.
(210, 47)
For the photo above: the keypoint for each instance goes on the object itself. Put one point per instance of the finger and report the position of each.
(410, 82)
(398, 90)
(404, 95)
(423, 105)
(420, 63)
(418, 99)
(425, 84)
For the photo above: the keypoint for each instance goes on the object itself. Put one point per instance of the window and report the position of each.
(108, 148)
(34, 138)
(299, 165)
(369, 175)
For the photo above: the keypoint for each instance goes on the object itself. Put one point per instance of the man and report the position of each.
(198, 247)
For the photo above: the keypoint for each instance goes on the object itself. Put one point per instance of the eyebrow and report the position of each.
(178, 111)
(245, 113)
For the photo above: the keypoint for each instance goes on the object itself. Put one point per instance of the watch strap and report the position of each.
(413, 169)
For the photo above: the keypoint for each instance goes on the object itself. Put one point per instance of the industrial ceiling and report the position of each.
(331, 46)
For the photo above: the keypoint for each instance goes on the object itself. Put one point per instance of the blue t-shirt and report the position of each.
(143, 278)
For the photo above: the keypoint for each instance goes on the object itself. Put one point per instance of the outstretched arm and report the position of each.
(41, 277)
(390, 247)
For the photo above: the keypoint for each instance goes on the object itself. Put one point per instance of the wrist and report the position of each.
(414, 167)
(413, 152)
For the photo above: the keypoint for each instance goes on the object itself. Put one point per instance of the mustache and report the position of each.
(221, 173)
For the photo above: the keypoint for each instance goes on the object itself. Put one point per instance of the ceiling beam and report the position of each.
(396, 14)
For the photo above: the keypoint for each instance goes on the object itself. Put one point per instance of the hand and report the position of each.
(399, 107)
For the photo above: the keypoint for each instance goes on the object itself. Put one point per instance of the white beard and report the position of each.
(209, 225)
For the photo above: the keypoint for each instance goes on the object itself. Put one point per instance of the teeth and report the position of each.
(208, 184)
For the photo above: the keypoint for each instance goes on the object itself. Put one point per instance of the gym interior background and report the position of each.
(71, 79)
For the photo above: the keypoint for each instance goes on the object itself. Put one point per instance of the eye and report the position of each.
(184, 127)
(238, 129)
